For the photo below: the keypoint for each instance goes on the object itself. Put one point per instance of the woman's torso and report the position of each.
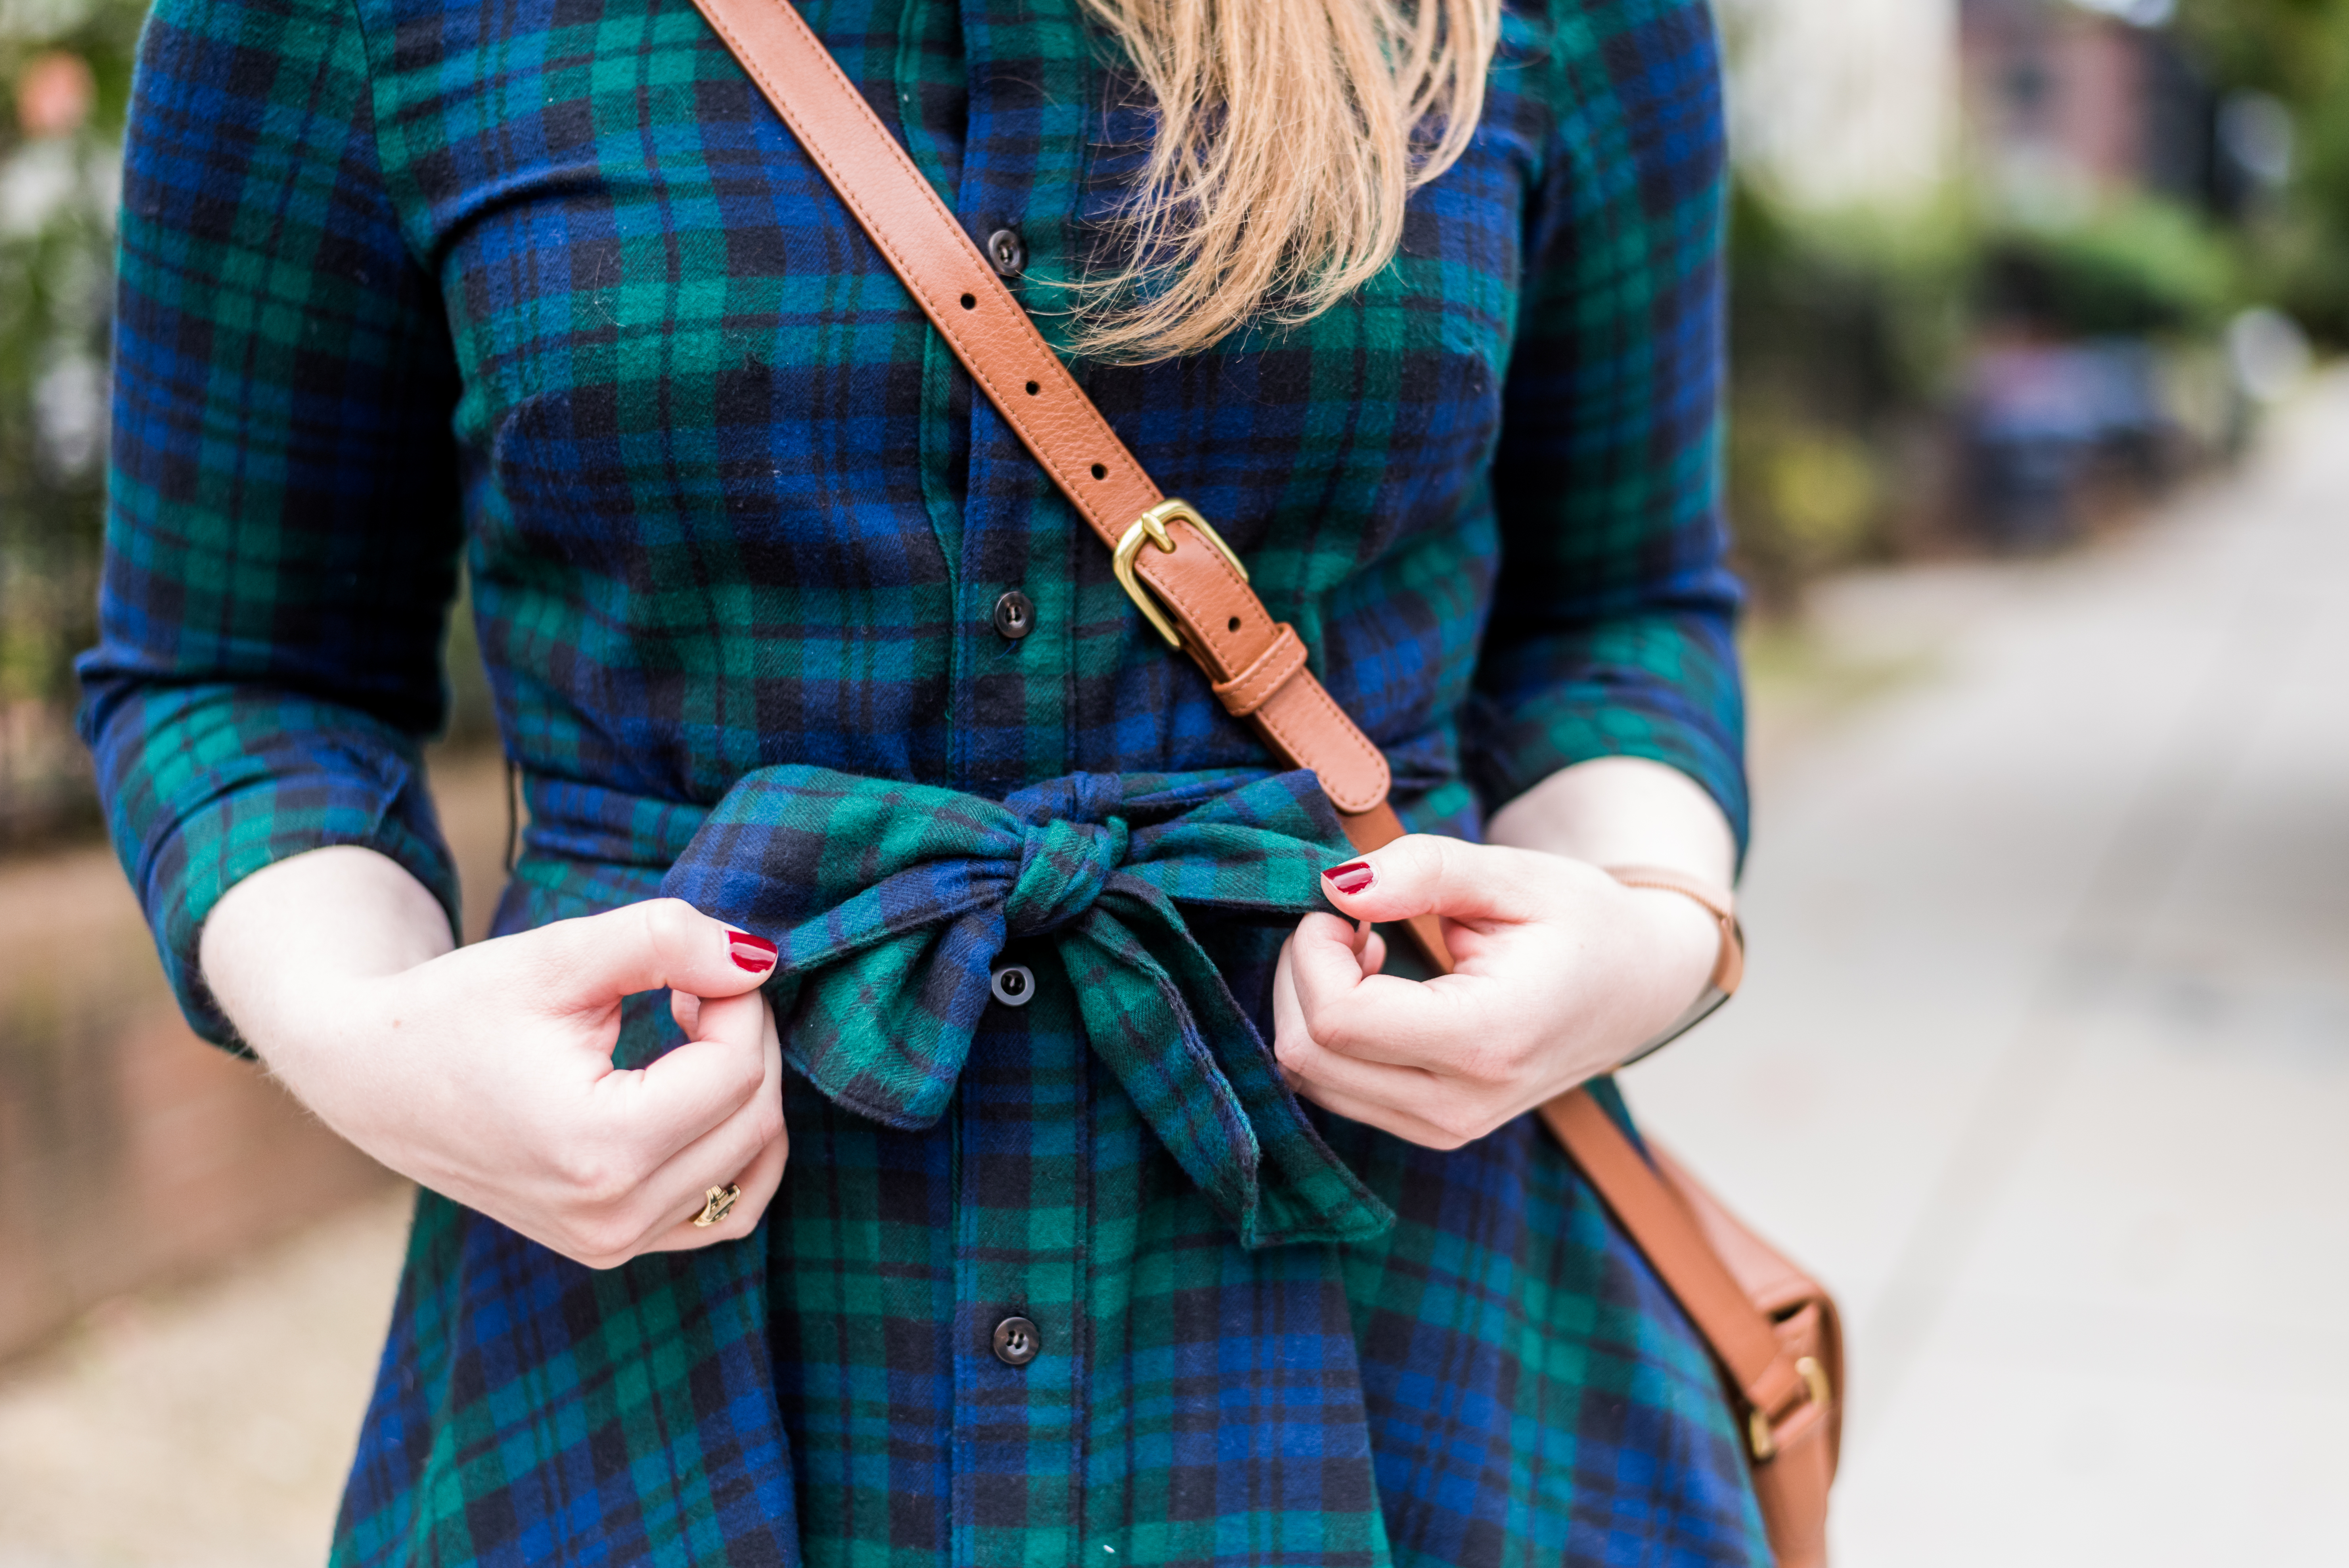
(728, 505)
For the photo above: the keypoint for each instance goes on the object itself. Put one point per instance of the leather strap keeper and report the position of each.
(1248, 690)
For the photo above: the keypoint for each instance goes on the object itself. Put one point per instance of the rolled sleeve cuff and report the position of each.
(1665, 688)
(206, 785)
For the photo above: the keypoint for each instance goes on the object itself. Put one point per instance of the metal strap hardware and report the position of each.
(1152, 526)
(1764, 1447)
(1814, 1378)
(1220, 620)
(1762, 1432)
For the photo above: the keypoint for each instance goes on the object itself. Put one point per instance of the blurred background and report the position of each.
(2041, 478)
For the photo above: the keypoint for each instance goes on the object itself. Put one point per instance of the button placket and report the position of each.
(1020, 1105)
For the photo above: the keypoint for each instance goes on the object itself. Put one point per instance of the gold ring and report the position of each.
(722, 1201)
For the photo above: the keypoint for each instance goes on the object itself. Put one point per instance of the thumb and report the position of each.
(594, 961)
(1423, 873)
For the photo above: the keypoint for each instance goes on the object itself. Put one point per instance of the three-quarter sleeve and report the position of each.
(282, 518)
(1611, 631)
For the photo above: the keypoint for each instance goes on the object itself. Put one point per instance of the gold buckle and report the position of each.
(1815, 1378)
(1759, 1438)
(1152, 525)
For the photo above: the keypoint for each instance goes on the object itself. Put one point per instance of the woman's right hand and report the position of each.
(485, 1072)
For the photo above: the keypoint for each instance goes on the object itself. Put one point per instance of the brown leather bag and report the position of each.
(1773, 1328)
(1770, 1327)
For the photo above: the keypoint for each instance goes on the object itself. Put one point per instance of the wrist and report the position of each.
(1683, 939)
(1718, 905)
(286, 950)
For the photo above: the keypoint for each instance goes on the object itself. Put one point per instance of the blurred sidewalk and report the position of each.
(2045, 1063)
(2044, 1058)
(202, 1426)
(209, 1426)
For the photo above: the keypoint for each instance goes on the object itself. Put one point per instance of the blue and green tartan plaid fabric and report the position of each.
(544, 285)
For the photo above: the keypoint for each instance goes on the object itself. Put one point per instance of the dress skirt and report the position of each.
(1496, 1378)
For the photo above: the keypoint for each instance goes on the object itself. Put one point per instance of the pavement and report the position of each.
(206, 1427)
(2042, 1063)
(2043, 1059)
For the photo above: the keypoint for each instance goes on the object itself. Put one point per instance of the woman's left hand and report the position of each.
(1561, 973)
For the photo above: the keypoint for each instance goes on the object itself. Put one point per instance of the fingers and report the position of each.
(1407, 1101)
(656, 1112)
(1369, 1015)
(747, 1147)
(1422, 873)
(760, 1182)
(1405, 1124)
(486, 1074)
(592, 962)
(1287, 1017)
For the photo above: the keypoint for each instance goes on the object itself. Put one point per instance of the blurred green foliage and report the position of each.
(1850, 336)
(2143, 266)
(66, 65)
(1843, 333)
(2297, 50)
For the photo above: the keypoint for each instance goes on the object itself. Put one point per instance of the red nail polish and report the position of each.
(1352, 877)
(755, 953)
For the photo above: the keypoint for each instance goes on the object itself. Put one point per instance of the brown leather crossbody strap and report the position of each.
(1653, 1217)
(1255, 665)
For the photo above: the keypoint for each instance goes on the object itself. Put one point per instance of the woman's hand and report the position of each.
(485, 1073)
(1561, 973)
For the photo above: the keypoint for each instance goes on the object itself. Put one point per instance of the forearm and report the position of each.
(282, 938)
(1622, 810)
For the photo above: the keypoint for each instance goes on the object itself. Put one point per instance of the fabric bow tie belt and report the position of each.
(890, 903)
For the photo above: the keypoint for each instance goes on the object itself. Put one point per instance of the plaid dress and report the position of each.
(543, 286)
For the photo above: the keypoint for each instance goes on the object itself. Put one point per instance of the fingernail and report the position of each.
(755, 953)
(1352, 877)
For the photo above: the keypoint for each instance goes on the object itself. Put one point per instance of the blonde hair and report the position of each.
(1290, 133)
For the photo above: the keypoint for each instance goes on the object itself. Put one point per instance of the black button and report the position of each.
(1014, 985)
(1015, 614)
(1016, 1341)
(1007, 252)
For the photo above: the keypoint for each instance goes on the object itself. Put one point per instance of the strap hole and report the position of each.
(1033, 389)
(1100, 472)
(970, 302)
(1233, 624)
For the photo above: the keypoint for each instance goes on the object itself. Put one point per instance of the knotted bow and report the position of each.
(890, 903)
